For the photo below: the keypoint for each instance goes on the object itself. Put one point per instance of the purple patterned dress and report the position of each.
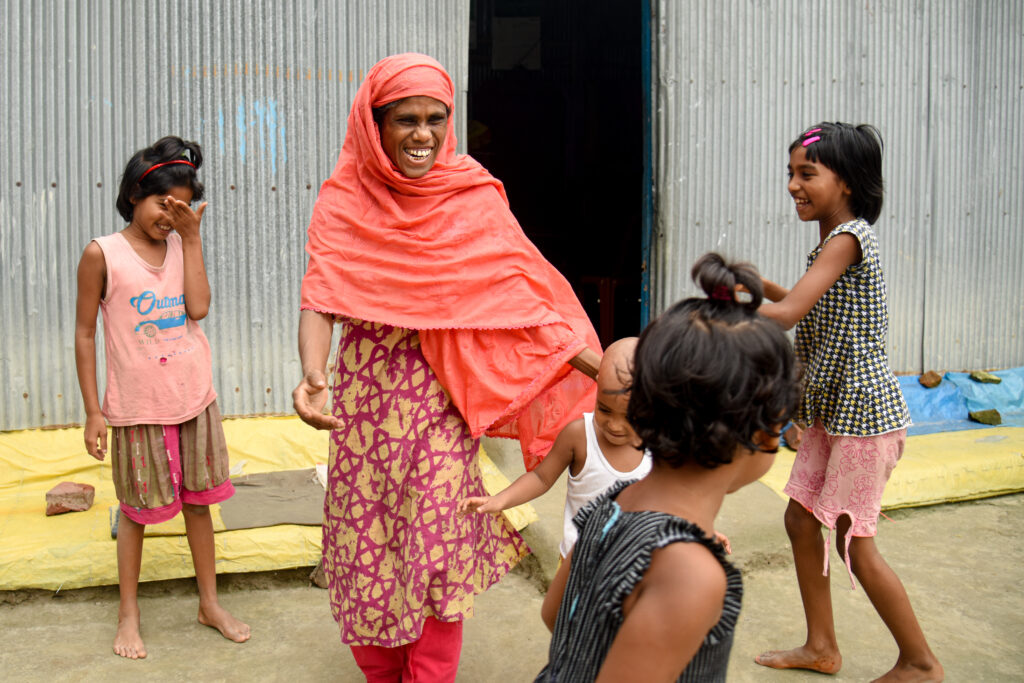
(395, 551)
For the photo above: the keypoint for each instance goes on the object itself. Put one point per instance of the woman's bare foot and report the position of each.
(128, 642)
(801, 658)
(904, 672)
(219, 618)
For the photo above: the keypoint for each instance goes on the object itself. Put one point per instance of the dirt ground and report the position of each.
(961, 563)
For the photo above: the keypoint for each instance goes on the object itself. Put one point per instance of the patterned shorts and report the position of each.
(158, 467)
(844, 475)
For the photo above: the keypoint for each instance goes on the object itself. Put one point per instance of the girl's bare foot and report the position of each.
(904, 672)
(219, 618)
(128, 642)
(801, 658)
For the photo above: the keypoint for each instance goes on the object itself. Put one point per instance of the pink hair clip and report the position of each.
(810, 140)
(812, 130)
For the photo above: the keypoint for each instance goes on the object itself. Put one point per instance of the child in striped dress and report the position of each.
(647, 593)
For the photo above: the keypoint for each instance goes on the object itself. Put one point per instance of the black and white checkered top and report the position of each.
(841, 343)
(611, 556)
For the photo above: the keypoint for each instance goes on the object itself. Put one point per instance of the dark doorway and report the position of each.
(555, 112)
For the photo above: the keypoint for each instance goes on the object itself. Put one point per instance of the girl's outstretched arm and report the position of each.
(310, 396)
(569, 442)
(92, 273)
(668, 615)
(773, 291)
(840, 253)
(186, 222)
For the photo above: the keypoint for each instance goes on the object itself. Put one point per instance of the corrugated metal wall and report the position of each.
(737, 80)
(264, 86)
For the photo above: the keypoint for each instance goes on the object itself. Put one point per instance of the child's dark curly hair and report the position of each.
(709, 373)
(137, 184)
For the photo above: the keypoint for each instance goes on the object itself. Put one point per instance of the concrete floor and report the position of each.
(961, 565)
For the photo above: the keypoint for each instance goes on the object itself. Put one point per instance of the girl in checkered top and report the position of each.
(852, 406)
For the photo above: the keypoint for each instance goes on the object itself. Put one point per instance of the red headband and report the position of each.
(166, 163)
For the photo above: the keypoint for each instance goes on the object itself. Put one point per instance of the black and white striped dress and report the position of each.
(611, 556)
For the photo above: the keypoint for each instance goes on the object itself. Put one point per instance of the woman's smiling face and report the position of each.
(412, 133)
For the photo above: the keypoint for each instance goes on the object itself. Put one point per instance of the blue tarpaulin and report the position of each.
(945, 408)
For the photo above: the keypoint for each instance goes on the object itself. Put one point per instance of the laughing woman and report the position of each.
(453, 326)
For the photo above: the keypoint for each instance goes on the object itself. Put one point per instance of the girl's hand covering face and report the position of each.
(182, 218)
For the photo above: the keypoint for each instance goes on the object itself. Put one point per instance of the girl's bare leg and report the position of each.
(916, 661)
(128, 640)
(199, 530)
(821, 650)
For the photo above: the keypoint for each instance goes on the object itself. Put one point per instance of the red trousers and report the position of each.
(434, 658)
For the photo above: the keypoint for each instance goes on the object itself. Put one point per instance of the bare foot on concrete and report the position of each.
(128, 642)
(219, 618)
(903, 672)
(801, 658)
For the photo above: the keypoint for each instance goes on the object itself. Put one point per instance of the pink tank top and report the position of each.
(158, 360)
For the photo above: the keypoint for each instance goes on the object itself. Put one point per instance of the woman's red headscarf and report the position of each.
(443, 254)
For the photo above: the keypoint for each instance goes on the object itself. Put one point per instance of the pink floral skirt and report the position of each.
(834, 476)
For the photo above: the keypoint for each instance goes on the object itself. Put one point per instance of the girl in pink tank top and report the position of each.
(168, 451)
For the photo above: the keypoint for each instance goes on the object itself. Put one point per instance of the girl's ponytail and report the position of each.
(172, 148)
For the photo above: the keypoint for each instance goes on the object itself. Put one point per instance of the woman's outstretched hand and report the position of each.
(309, 399)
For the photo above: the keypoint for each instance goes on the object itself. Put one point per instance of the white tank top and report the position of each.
(596, 477)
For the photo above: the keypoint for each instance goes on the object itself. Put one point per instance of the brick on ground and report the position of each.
(68, 496)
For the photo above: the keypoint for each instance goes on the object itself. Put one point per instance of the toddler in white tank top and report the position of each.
(599, 449)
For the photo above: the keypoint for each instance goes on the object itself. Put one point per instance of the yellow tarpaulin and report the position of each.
(942, 467)
(75, 549)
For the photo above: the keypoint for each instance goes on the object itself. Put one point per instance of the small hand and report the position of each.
(478, 504)
(724, 540)
(793, 436)
(309, 399)
(182, 218)
(96, 436)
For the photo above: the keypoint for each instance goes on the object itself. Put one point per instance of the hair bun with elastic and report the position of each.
(719, 278)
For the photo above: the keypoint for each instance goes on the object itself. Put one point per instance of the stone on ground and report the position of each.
(68, 496)
(986, 417)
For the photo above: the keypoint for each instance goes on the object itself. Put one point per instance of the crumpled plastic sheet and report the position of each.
(76, 549)
(945, 408)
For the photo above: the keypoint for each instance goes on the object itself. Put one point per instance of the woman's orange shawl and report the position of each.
(443, 254)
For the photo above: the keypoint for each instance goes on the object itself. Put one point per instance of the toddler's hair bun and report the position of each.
(718, 278)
